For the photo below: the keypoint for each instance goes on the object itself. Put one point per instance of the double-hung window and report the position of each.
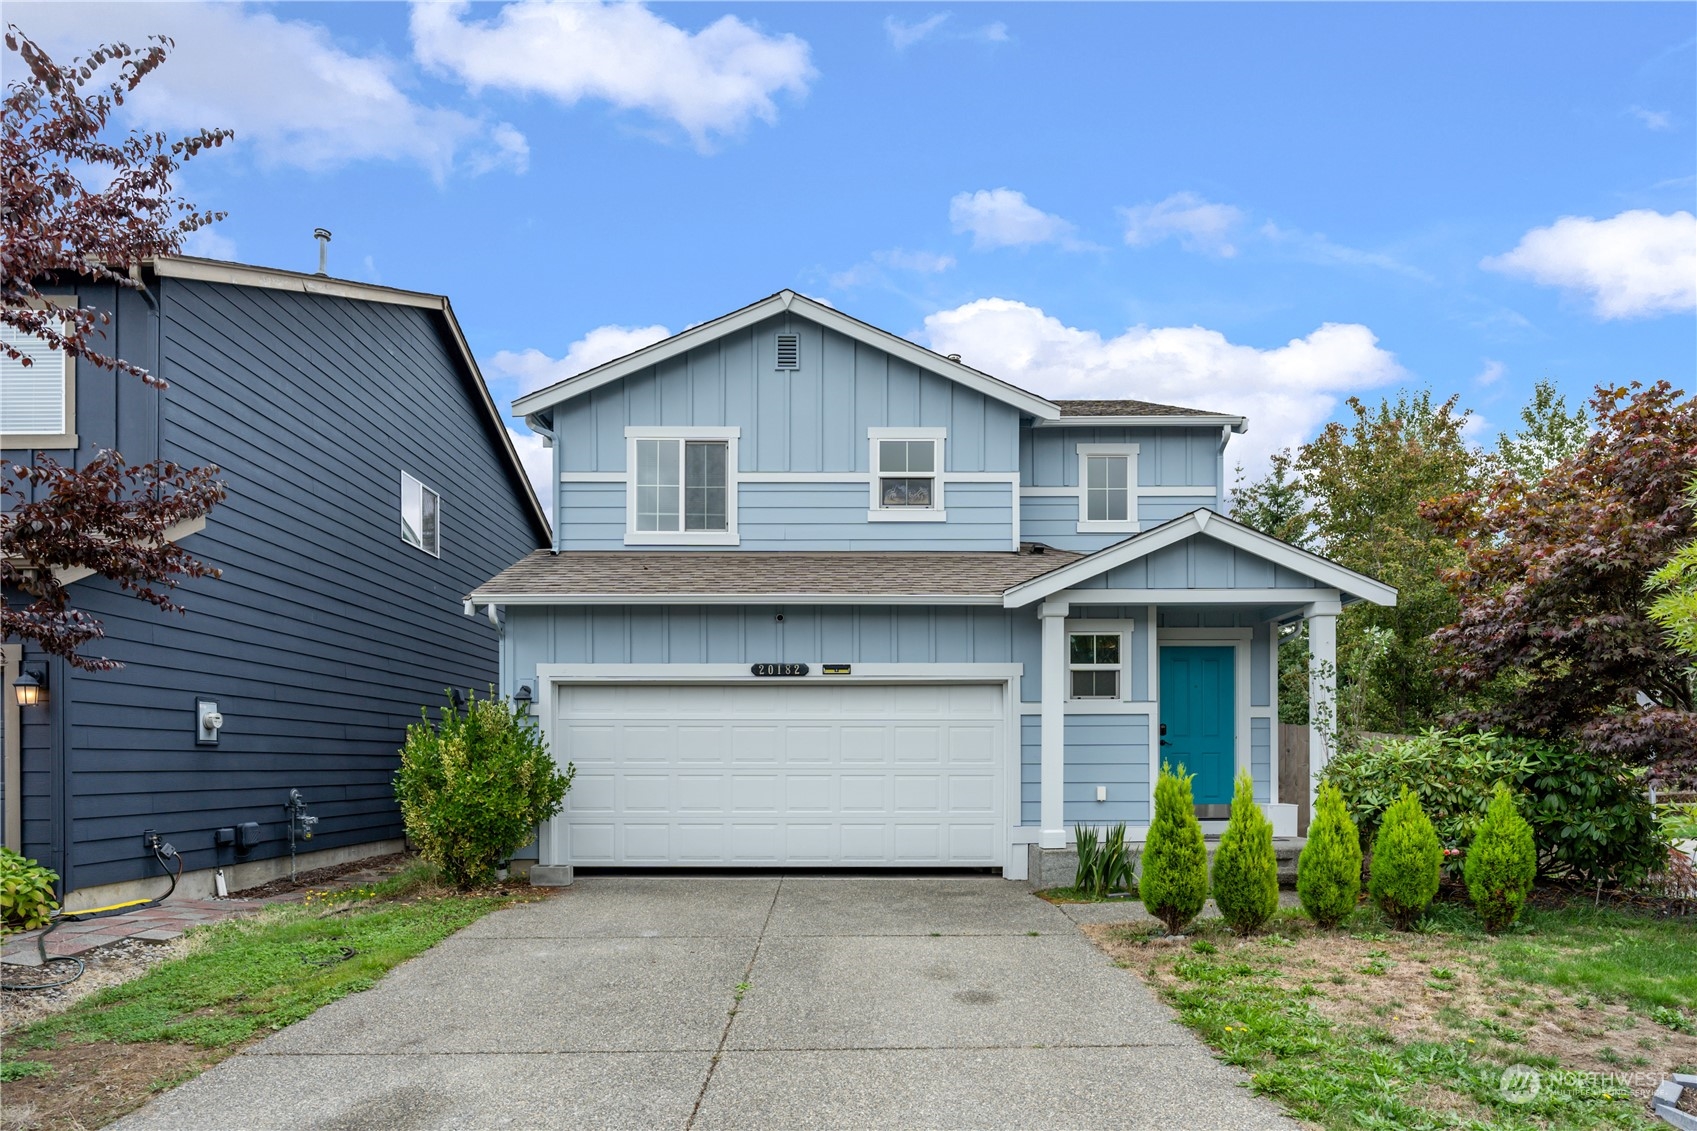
(1093, 665)
(682, 486)
(421, 516)
(38, 405)
(907, 466)
(1107, 488)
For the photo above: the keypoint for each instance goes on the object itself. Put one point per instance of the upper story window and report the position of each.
(1093, 665)
(907, 466)
(682, 486)
(421, 516)
(1107, 488)
(38, 405)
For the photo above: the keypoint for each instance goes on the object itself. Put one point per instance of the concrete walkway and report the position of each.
(902, 1002)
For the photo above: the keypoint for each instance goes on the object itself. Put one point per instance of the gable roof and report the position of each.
(1129, 413)
(1216, 526)
(860, 577)
(818, 312)
(271, 278)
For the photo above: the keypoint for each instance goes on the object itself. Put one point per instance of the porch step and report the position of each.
(1058, 867)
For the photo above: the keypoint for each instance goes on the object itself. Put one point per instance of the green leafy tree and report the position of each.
(1407, 863)
(1174, 884)
(1549, 434)
(1328, 872)
(1246, 873)
(1675, 586)
(1501, 863)
(1275, 504)
(1554, 619)
(473, 787)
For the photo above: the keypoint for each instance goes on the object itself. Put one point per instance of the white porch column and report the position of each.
(1052, 787)
(1322, 617)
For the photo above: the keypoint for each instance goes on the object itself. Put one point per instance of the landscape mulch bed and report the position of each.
(321, 877)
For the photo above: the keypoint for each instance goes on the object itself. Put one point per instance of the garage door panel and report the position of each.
(770, 773)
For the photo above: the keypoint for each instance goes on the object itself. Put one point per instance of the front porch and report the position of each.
(1164, 649)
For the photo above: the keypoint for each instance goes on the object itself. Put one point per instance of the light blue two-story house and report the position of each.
(819, 596)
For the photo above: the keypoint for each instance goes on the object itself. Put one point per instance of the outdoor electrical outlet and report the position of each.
(1101, 793)
(150, 839)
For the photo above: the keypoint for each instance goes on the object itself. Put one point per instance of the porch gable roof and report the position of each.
(1327, 573)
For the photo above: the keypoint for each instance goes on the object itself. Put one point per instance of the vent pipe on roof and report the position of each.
(322, 235)
(954, 357)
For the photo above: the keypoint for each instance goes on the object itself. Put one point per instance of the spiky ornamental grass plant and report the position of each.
(1406, 861)
(1328, 873)
(1175, 861)
(1246, 873)
(1501, 863)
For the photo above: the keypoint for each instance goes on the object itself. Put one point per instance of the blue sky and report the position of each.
(1260, 208)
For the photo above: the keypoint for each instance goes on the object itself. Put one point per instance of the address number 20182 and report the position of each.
(778, 669)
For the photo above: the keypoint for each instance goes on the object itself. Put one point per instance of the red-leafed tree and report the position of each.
(1555, 620)
(83, 209)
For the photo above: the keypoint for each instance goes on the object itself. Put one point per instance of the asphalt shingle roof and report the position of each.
(1128, 408)
(763, 575)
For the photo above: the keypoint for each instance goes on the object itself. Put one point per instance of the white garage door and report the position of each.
(765, 773)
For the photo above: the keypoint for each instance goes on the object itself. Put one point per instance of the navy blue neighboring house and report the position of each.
(372, 484)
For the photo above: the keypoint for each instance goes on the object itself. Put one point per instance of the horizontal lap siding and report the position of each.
(1110, 750)
(326, 632)
(1030, 769)
(1261, 758)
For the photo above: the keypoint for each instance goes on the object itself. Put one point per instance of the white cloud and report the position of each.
(1314, 247)
(1489, 375)
(532, 369)
(993, 33)
(904, 35)
(1653, 119)
(209, 243)
(291, 93)
(708, 82)
(1636, 264)
(1286, 392)
(1002, 218)
(1199, 224)
(924, 262)
(538, 464)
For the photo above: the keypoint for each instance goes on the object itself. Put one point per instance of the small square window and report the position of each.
(421, 516)
(1093, 662)
(907, 473)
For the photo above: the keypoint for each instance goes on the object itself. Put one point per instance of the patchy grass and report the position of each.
(238, 981)
(1366, 1027)
(1080, 895)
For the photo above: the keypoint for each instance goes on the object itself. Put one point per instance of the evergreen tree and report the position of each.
(1328, 873)
(1501, 863)
(1246, 873)
(1174, 884)
(1407, 859)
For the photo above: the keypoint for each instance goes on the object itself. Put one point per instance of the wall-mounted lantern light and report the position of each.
(524, 698)
(31, 687)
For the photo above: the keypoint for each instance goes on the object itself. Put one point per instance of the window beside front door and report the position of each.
(1107, 488)
(682, 487)
(1093, 665)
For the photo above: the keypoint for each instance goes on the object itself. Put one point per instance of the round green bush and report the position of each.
(1328, 873)
(474, 787)
(1246, 873)
(1501, 863)
(26, 893)
(1406, 861)
(1174, 884)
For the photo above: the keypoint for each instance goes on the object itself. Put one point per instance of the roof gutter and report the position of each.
(1237, 424)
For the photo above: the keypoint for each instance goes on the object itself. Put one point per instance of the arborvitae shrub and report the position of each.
(1501, 862)
(1328, 873)
(1175, 861)
(1406, 861)
(1246, 874)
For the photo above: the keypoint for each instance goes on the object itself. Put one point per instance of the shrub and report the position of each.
(1104, 865)
(1591, 817)
(26, 893)
(1175, 861)
(1452, 773)
(1406, 861)
(1501, 863)
(1328, 873)
(474, 787)
(1246, 873)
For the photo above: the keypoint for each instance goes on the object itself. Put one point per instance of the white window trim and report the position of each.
(1120, 628)
(54, 440)
(428, 490)
(726, 537)
(936, 511)
(1130, 525)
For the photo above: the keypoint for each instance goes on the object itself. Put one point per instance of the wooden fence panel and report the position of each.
(1293, 771)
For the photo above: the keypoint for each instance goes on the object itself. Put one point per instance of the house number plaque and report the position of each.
(778, 669)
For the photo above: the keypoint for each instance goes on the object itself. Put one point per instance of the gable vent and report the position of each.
(789, 351)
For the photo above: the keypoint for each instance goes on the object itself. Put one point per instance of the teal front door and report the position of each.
(1198, 724)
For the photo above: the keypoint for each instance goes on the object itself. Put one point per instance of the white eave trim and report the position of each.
(786, 300)
(872, 599)
(1328, 574)
(1200, 420)
(242, 275)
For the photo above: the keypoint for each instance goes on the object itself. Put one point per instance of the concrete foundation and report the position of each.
(249, 874)
(550, 875)
(1058, 867)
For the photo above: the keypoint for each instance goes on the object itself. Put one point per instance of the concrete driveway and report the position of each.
(900, 1002)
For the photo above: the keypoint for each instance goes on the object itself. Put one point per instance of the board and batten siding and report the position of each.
(326, 632)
